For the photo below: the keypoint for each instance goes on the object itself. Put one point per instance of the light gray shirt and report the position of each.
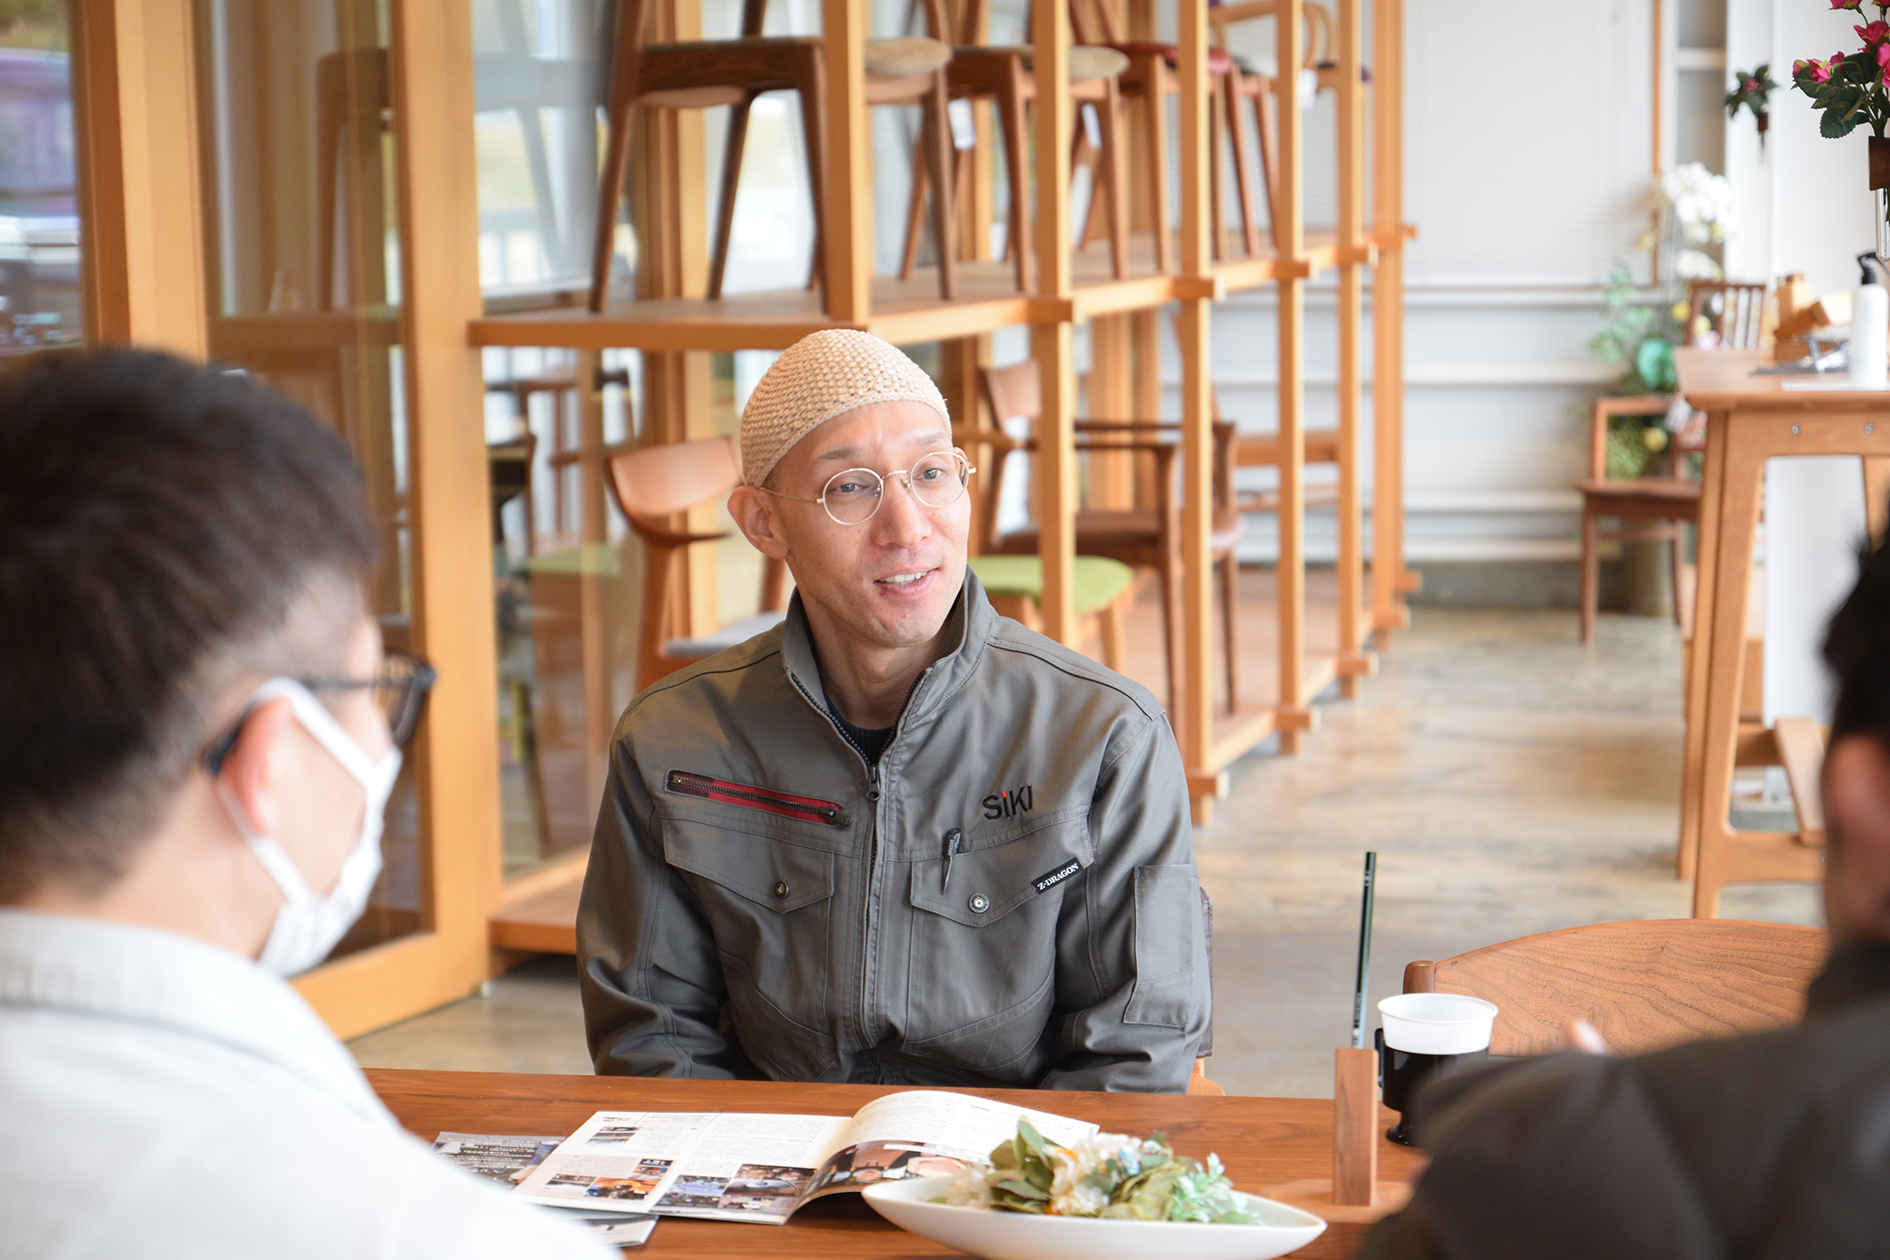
(163, 1097)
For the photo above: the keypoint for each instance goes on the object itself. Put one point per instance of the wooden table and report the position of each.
(1750, 419)
(1263, 1142)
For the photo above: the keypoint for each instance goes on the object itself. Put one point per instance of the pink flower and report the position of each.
(1847, 4)
(1883, 58)
(1875, 33)
(1820, 71)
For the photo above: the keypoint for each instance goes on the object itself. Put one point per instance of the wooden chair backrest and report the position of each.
(1733, 309)
(1599, 415)
(1317, 19)
(1644, 985)
(654, 481)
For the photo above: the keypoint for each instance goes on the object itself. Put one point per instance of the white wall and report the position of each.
(1526, 169)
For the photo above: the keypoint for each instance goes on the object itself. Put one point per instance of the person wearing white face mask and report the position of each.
(198, 735)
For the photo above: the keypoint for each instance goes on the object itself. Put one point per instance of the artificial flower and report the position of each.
(1847, 4)
(1875, 33)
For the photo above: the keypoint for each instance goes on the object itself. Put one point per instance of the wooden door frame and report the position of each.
(141, 187)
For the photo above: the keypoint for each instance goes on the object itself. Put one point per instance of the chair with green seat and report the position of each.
(1015, 587)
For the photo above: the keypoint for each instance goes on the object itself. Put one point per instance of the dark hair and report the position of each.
(162, 528)
(1857, 648)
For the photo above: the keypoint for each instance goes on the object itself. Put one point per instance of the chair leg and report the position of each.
(1677, 558)
(1591, 573)
(915, 215)
(1110, 618)
(1266, 114)
(1230, 626)
(1113, 172)
(938, 131)
(610, 192)
(1010, 102)
(1243, 165)
(1172, 637)
(737, 141)
(1153, 101)
(1080, 154)
(813, 90)
(1217, 197)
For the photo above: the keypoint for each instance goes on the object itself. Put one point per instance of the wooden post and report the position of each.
(848, 244)
(1195, 722)
(1054, 464)
(450, 520)
(1294, 714)
(1354, 1126)
(135, 112)
(1353, 661)
(1389, 580)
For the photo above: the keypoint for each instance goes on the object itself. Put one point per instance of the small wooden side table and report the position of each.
(1750, 419)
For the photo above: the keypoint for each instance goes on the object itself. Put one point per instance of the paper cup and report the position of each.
(1437, 1023)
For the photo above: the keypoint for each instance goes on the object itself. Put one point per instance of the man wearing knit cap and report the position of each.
(898, 839)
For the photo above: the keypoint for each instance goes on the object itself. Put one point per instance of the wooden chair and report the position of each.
(698, 74)
(1734, 311)
(1148, 537)
(650, 484)
(1014, 585)
(1644, 985)
(1151, 79)
(1002, 74)
(1254, 83)
(1655, 508)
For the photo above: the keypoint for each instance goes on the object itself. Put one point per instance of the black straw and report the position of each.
(1364, 955)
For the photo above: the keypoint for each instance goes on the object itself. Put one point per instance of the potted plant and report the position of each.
(1752, 91)
(1847, 90)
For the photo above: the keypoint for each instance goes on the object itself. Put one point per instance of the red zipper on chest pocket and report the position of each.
(709, 788)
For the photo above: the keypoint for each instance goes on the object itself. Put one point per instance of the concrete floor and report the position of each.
(1511, 781)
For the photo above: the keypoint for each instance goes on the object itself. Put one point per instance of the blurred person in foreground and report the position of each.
(899, 839)
(1768, 1146)
(198, 732)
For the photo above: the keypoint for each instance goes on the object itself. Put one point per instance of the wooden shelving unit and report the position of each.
(1077, 286)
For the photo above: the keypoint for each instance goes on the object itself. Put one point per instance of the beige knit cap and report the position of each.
(817, 378)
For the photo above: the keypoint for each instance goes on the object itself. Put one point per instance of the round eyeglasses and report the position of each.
(854, 494)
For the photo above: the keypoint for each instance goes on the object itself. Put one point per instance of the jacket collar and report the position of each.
(968, 628)
(140, 976)
(1854, 974)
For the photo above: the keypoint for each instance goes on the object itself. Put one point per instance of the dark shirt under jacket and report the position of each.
(1767, 1147)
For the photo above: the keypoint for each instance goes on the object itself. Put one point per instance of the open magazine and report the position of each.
(735, 1167)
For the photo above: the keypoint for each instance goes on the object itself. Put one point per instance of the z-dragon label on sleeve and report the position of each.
(1044, 883)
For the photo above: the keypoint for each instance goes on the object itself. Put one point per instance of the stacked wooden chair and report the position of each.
(699, 74)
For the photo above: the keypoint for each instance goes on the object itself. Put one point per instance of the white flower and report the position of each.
(971, 1187)
(1079, 1200)
(1694, 265)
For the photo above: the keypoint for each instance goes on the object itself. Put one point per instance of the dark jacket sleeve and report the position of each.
(1132, 975)
(648, 969)
(1566, 1156)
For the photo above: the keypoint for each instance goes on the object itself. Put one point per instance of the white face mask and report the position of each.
(307, 927)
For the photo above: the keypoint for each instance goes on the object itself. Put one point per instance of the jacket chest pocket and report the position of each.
(768, 902)
(984, 943)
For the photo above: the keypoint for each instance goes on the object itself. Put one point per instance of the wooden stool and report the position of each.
(1015, 584)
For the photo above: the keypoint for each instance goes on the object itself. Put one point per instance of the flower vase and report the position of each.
(1880, 192)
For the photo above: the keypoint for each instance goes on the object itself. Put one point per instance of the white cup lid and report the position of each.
(1437, 1023)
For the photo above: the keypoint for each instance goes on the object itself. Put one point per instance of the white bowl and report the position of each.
(1023, 1236)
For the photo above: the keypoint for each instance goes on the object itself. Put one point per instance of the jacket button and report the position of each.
(979, 903)
(781, 889)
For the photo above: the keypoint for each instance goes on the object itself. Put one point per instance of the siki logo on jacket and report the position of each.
(1007, 804)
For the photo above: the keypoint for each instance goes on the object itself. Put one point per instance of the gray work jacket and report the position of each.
(1008, 898)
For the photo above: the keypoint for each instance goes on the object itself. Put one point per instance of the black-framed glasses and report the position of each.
(400, 693)
(853, 495)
